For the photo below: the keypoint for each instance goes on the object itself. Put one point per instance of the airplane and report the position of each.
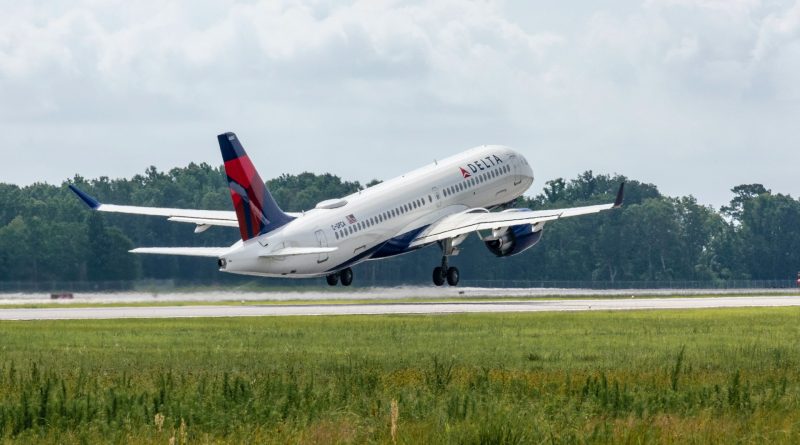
(441, 203)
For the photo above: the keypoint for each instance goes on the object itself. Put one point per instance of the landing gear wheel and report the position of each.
(346, 276)
(452, 276)
(332, 279)
(438, 276)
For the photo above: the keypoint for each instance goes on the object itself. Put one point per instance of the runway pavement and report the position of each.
(266, 310)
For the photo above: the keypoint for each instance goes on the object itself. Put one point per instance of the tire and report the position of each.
(452, 276)
(332, 279)
(346, 276)
(438, 276)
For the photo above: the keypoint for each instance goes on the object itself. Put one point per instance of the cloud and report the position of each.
(645, 88)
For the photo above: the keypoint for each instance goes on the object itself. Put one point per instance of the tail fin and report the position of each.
(256, 209)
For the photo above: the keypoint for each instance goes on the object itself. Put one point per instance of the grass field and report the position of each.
(702, 376)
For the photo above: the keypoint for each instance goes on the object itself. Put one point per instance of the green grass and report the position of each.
(702, 376)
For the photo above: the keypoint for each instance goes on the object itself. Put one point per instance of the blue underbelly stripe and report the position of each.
(391, 247)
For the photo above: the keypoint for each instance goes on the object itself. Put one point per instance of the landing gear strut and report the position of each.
(444, 273)
(344, 275)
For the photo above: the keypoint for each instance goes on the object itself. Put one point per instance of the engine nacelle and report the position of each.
(514, 240)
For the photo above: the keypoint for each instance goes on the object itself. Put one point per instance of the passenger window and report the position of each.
(430, 199)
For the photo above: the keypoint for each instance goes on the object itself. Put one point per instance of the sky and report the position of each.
(695, 96)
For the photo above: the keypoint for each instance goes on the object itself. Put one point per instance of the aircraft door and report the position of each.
(436, 197)
(517, 175)
(322, 241)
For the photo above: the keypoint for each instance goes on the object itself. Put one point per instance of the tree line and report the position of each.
(48, 234)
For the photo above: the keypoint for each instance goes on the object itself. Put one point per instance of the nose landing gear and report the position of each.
(344, 275)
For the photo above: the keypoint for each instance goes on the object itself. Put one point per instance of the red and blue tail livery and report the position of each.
(256, 209)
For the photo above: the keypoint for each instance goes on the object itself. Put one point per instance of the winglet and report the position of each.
(91, 202)
(620, 196)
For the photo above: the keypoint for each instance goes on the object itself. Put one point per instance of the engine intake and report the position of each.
(514, 240)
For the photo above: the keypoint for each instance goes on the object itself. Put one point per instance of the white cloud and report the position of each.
(645, 88)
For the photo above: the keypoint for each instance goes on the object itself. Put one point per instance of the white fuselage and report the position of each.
(381, 221)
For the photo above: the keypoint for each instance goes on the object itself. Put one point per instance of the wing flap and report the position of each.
(204, 221)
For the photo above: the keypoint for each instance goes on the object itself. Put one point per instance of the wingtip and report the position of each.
(86, 198)
(620, 196)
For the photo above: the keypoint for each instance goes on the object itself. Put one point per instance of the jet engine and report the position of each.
(512, 240)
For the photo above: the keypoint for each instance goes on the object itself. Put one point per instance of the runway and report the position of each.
(315, 309)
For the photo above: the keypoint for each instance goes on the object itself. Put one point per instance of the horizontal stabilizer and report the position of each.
(292, 251)
(213, 252)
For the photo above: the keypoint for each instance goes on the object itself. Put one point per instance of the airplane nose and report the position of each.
(529, 172)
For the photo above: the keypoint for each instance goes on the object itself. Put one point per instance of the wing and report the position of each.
(481, 219)
(203, 218)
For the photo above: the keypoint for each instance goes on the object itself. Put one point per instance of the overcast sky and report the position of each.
(695, 96)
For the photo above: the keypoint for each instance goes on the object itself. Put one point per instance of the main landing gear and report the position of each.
(344, 275)
(444, 273)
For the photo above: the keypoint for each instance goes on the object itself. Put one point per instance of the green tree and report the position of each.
(108, 258)
(742, 194)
